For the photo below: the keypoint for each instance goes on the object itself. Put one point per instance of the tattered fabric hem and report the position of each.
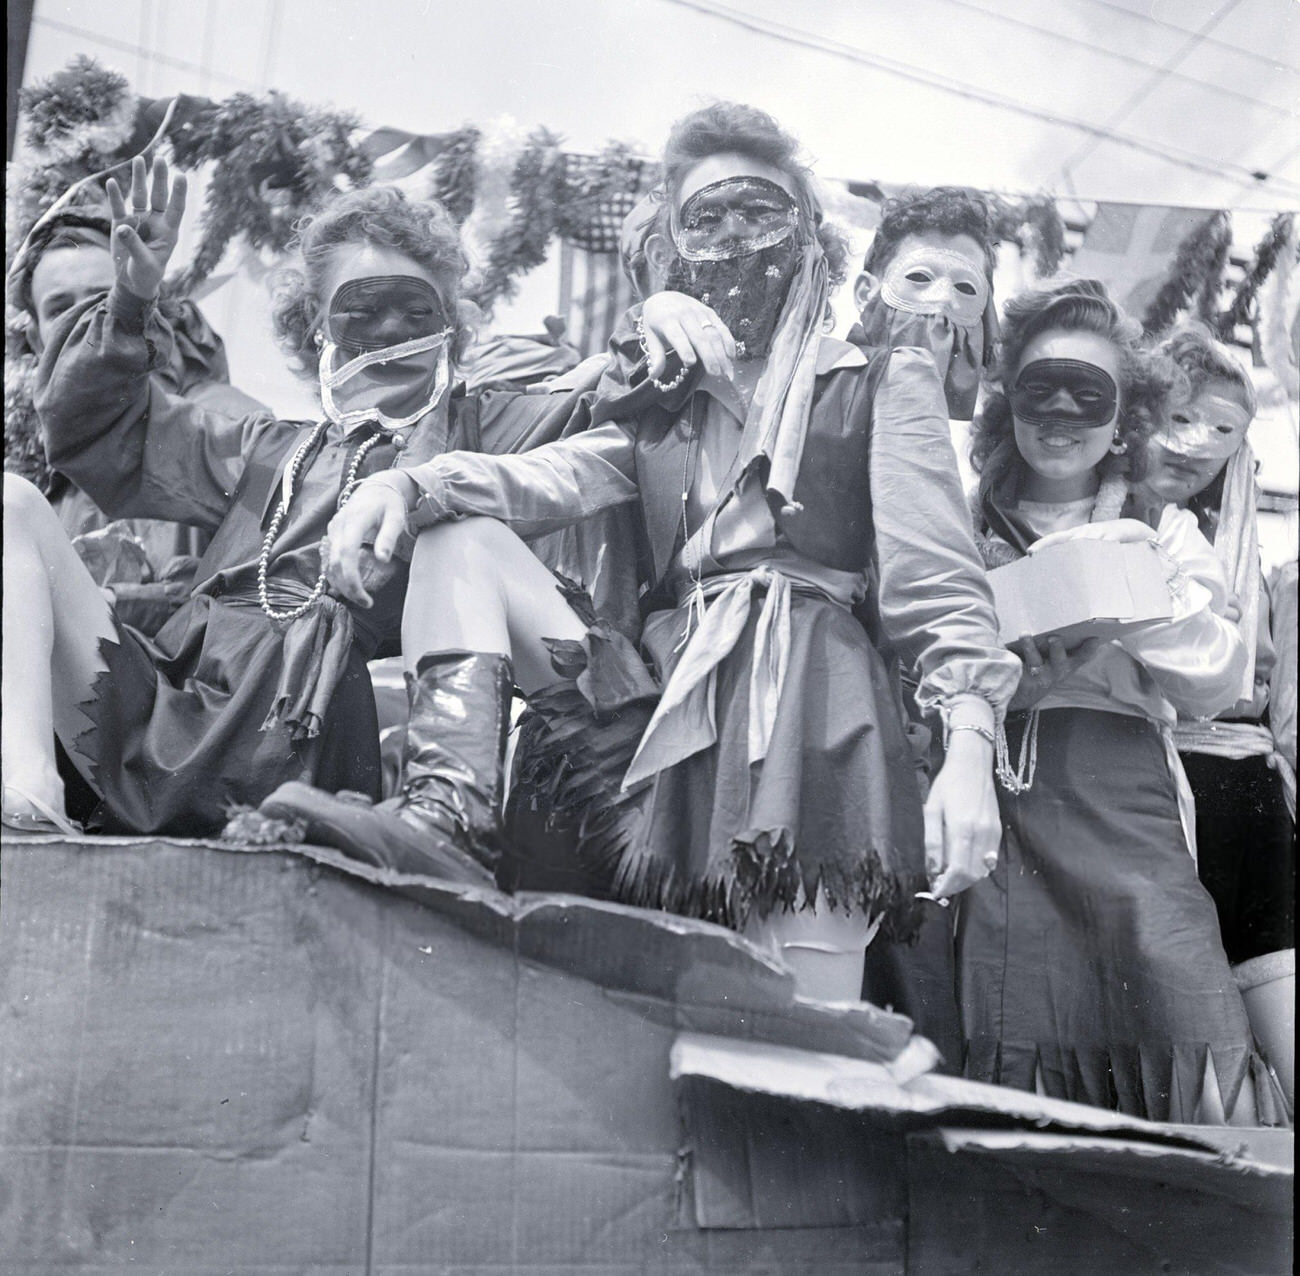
(574, 750)
(107, 685)
(750, 887)
(1149, 1080)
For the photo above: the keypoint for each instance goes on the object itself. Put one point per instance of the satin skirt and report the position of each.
(1090, 964)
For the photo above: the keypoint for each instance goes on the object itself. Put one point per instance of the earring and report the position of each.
(1118, 446)
(319, 339)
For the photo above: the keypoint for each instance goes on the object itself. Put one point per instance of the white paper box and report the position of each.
(1081, 589)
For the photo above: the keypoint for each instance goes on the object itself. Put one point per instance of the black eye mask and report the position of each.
(383, 310)
(1064, 392)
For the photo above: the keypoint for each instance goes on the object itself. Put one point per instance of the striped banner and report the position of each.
(594, 293)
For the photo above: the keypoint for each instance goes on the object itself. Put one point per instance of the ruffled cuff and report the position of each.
(971, 691)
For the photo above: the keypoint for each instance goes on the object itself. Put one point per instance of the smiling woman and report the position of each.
(1091, 965)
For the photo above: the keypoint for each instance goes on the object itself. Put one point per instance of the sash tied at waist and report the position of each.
(313, 655)
(1237, 740)
(684, 723)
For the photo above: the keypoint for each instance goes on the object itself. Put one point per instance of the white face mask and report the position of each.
(935, 281)
(394, 387)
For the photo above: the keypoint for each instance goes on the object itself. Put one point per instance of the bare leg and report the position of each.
(825, 950)
(54, 618)
(476, 586)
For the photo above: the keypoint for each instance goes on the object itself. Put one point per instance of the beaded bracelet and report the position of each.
(664, 387)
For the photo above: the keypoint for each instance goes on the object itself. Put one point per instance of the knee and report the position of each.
(483, 543)
(22, 496)
(26, 509)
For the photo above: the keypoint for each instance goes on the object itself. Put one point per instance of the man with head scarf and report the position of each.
(65, 262)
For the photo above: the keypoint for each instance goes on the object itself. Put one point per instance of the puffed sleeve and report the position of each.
(137, 451)
(1282, 694)
(1198, 656)
(936, 606)
(540, 491)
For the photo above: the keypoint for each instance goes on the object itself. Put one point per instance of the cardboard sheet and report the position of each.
(988, 1180)
(1080, 589)
(215, 1061)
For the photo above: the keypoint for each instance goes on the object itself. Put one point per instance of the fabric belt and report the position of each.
(684, 722)
(314, 652)
(1235, 741)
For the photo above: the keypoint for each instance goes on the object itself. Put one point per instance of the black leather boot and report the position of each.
(446, 822)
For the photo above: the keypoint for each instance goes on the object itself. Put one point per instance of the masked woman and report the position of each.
(261, 677)
(748, 764)
(1243, 783)
(1090, 965)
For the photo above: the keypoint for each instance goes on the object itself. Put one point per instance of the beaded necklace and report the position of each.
(286, 495)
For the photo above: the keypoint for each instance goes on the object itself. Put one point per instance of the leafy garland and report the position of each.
(78, 120)
(24, 451)
(1197, 270)
(536, 191)
(1243, 305)
(1034, 223)
(278, 161)
(454, 183)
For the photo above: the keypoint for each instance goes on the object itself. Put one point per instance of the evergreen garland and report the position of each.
(77, 122)
(598, 192)
(24, 451)
(1241, 310)
(536, 190)
(278, 160)
(1032, 222)
(455, 182)
(1207, 296)
(1047, 231)
(1193, 265)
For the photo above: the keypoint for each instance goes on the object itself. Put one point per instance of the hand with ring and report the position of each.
(672, 321)
(1047, 661)
(144, 236)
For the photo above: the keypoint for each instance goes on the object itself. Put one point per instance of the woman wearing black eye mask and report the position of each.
(1090, 964)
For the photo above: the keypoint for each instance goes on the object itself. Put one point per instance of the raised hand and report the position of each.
(674, 321)
(145, 234)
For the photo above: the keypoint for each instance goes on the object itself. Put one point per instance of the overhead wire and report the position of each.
(1143, 91)
(1115, 55)
(823, 44)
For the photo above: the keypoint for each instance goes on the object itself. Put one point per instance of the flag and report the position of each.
(594, 293)
(1130, 248)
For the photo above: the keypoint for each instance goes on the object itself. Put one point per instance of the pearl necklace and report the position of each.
(350, 482)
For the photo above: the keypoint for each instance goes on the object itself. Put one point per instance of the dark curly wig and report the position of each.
(946, 210)
(1073, 305)
(380, 215)
(734, 128)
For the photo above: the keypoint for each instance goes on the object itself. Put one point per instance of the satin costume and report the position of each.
(224, 704)
(774, 770)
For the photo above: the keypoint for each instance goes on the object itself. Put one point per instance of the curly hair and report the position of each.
(1072, 305)
(380, 215)
(947, 210)
(733, 128)
(1199, 358)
